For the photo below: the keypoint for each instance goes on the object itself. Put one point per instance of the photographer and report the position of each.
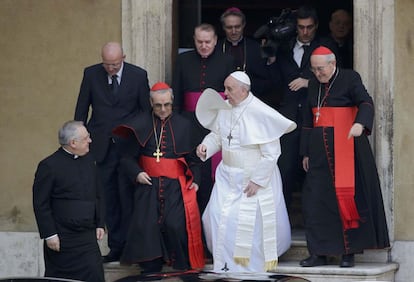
(292, 59)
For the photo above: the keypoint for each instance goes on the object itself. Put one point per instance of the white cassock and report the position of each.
(246, 234)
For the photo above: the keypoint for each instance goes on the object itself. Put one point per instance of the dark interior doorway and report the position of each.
(258, 13)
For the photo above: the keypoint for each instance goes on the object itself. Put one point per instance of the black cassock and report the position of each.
(66, 201)
(193, 73)
(325, 234)
(158, 225)
(248, 58)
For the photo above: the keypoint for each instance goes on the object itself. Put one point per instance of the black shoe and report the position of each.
(111, 256)
(347, 261)
(313, 260)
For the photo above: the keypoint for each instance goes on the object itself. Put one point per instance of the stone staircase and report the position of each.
(370, 266)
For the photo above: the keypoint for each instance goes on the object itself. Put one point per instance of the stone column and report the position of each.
(147, 36)
(374, 60)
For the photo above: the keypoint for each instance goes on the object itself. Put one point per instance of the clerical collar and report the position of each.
(70, 153)
(158, 118)
(235, 43)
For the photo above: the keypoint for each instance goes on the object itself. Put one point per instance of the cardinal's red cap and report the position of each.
(160, 86)
(322, 50)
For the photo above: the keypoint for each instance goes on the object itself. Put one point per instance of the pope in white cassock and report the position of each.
(245, 223)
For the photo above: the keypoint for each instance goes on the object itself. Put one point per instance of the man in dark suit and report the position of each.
(115, 91)
(293, 61)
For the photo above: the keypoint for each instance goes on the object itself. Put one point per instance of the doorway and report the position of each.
(258, 13)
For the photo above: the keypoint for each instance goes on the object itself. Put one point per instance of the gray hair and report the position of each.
(162, 91)
(331, 58)
(244, 85)
(68, 131)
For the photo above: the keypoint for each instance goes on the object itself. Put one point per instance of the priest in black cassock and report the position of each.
(68, 208)
(195, 71)
(247, 54)
(343, 208)
(157, 157)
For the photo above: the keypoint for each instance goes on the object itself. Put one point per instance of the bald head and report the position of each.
(112, 50)
(112, 57)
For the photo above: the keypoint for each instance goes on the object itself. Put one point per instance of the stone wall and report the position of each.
(44, 47)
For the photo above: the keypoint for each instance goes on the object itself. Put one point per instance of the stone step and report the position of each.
(299, 251)
(363, 271)
(372, 265)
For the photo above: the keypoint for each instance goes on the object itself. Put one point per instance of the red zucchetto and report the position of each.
(322, 50)
(160, 86)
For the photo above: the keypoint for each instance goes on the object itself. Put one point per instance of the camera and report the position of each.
(276, 31)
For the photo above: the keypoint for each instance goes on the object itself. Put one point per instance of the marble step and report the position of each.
(363, 271)
(372, 265)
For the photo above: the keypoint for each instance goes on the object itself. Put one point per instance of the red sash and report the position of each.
(178, 169)
(190, 102)
(342, 119)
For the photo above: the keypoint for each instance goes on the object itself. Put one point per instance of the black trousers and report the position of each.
(118, 199)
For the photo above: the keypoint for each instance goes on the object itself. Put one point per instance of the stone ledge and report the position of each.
(333, 273)
(327, 273)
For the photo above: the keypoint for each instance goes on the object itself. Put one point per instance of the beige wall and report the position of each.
(404, 120)
(44, 47)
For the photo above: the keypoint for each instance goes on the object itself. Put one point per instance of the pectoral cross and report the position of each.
(157, 154)
(229, 137)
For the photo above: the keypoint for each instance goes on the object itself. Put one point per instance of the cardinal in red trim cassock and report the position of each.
(159, 159)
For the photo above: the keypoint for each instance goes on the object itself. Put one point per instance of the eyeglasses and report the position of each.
(160, 106)
(318, 69)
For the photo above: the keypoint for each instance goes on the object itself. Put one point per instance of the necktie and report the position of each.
(115, 84)
(305, 48)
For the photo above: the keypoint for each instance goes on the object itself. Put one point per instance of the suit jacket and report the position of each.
(107, 110)
(293, 101)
